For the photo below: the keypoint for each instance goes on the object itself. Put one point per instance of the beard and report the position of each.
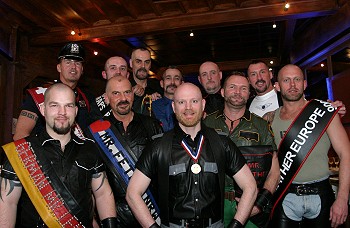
(295, 97)
(139, 74)
(189, 122)
(123, 111)
(62, 130)
(261, 89)
(236, 101)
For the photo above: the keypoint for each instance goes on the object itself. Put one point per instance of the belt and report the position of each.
(194, 223)
(308, 189)
(230, 196)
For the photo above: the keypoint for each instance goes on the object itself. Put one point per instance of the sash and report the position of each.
(102, 105)
(120, 162)
(38, 97)
(54, 207)
(299, 140)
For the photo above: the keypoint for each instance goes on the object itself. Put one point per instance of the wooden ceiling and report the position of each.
(230, 32)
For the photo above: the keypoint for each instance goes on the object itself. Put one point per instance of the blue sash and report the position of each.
(119, 158)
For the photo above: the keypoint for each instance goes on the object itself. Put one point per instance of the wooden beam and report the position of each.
(320, 33)
(233, 16)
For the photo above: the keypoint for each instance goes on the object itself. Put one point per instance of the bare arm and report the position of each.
(341, 145)
(245, 180)
(9, 196)
(137, 186)
(25, 124)
(273, 177)
(103, 196)
(269, 116)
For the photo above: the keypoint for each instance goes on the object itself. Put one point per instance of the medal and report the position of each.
(195, 168)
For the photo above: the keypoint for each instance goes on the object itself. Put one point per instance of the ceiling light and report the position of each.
(322, 64)
(271, 62)
(286, 6)
(191, 33)
(95, 52)
(72, 32)
(274, 25)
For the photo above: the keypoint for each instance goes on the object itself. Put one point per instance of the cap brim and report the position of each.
(73, 57)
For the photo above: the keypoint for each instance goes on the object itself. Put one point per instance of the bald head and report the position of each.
(289, 69)
(119, 95)
(59, 109)
(188, 105)
(187, 89)
(59, 87)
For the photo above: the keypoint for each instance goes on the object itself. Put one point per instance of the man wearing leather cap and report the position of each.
(70, 68)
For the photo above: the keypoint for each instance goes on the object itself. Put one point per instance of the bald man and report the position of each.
(67, 169)
(129, 132)
(189, 164)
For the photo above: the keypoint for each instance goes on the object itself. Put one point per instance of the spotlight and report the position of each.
(322, 64)
(271, 62)
(95, 52)
(274, 25)
(191, 33)
(72, 32)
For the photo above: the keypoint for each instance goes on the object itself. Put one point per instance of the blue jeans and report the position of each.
(304, 211)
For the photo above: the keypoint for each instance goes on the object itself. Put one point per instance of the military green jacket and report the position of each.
(252, 130)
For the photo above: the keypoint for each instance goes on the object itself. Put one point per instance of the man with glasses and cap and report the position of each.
(70, 67)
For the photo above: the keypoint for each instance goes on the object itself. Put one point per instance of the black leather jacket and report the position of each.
(138, 133)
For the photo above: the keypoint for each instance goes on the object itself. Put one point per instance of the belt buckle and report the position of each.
(300, 188)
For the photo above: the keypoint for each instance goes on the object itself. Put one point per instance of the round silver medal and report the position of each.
(195, 168)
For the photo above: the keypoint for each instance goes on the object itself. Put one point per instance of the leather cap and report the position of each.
(72, 51)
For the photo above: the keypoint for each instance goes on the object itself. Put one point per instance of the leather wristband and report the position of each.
(154, 225)
(263, 200)
(110, 222)
(235, 224)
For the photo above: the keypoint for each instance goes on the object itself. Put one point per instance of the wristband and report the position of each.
(154, 225)
(263, 200)
(235, 224)
(109, 222)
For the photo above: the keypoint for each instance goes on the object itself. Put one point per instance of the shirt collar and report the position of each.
(246, 115)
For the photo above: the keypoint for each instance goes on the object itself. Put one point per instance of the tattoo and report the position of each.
(97, 175)
(269, 116)
(29, 115)
(10, 184)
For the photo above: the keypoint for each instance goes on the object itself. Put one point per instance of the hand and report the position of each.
(338, 212)
(342, 110)
(156, 96)
(138, 90)
(254, 211)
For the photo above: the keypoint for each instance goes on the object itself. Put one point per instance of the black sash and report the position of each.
(299, 140)
(58, 185)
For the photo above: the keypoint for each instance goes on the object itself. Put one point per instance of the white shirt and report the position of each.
(264, 103)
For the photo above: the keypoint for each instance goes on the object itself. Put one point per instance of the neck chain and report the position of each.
(232, 121)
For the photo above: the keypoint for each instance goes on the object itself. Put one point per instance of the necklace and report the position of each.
(231, 121)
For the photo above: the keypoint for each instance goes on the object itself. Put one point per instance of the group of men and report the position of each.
(135, 175)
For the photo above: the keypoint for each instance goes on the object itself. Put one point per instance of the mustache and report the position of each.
(123, 103)
(171, 86)
(261, 80)
(142, 69)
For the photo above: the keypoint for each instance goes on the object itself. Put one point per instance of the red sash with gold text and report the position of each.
(50, 205)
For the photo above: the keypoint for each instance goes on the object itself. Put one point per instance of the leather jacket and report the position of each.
(138, 133)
